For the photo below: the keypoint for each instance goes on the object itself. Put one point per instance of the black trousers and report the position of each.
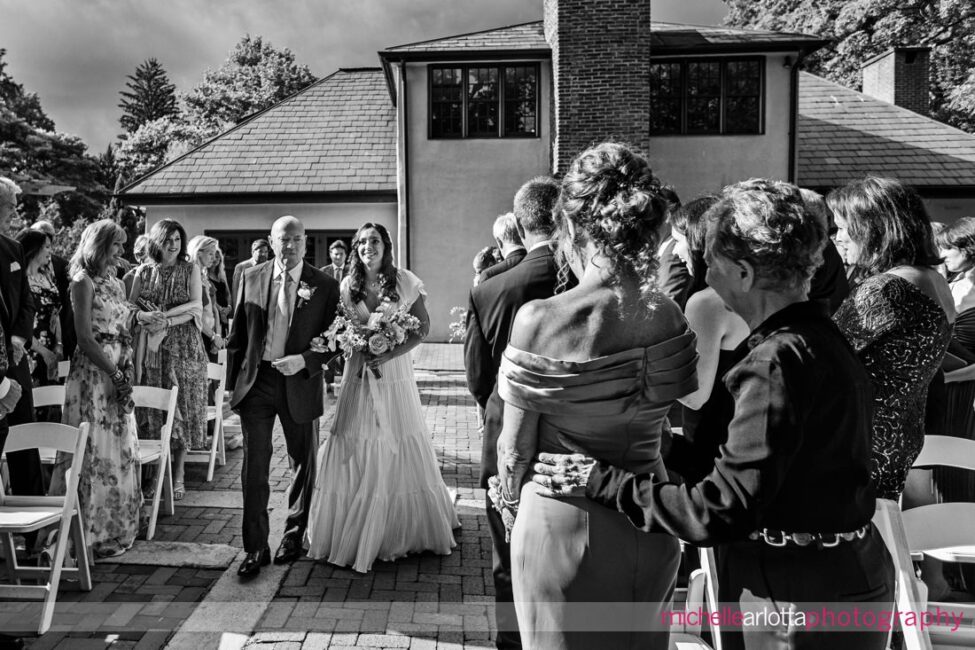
(266, 400)
(26, 477)
(504, 605)
(845, 594)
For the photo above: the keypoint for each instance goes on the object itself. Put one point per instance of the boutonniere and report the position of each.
(306, 291)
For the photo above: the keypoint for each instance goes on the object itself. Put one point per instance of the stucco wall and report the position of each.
(697, 165)
(456, 189)
(316, 216)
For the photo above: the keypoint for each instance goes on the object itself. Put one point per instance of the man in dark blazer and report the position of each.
(259, 251)
(491, 312)
(273, 372)
(509, 243)
(338, 269)
(17, 322)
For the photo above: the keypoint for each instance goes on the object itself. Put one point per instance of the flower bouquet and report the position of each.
(385, 330)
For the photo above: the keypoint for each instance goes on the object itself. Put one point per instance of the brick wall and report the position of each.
(900, 76)
(601, 74)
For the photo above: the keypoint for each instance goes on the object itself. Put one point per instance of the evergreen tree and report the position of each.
(860, 29)
(149, 97)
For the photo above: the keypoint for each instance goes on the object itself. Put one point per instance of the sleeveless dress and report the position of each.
(379, 493)
(108, 489)
(901, 336)
(569, 555)
(181, 360)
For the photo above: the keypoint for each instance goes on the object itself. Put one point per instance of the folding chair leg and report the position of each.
(169, 502)
(214, 447)
(54, 579)
(82, 552)
(10, 556)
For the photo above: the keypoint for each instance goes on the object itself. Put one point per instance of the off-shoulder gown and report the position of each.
(583, 576)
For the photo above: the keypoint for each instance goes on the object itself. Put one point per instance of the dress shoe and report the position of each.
(252, 564)
(289, 551)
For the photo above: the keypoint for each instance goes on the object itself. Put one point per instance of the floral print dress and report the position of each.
(47, 328)
(109, 488)
(181, 361)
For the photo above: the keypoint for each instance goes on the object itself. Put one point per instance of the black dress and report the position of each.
(901, 336)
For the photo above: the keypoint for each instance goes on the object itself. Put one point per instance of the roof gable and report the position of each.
(845, 135)
(336, 135)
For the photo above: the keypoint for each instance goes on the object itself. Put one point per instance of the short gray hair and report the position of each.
(9, 189)
(506, 229)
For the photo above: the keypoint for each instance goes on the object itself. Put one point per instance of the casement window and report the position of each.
(707, 96)
(484, 100)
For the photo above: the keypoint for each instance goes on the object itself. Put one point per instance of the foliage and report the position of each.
(149, 97)
(860, 29)
(253, 77)
(31, 151)
(156, 143)
(458, 328)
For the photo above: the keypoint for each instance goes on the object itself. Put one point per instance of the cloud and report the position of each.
(76, 54)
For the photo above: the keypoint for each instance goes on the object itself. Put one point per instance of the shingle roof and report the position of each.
(665, 37)
(845, 135)
(337, 135)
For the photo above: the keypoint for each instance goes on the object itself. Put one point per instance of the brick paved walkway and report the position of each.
(421, 601)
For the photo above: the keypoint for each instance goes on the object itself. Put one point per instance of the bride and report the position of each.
(379, 493)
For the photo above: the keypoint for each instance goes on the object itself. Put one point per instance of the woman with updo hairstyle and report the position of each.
(595, 369)
(788, 502)
(898, 319)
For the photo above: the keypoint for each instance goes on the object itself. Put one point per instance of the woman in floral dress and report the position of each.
(46, 345)
(167, 294)
(98, 392)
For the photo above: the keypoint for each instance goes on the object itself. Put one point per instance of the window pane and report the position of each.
(704, 97)
(482, 101)
(446, 103)
(743, 94)
(520, 100)
(665, 98)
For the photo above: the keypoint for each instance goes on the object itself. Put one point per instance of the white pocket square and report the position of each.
(14, 266)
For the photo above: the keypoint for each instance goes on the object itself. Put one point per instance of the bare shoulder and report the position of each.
(531, 324)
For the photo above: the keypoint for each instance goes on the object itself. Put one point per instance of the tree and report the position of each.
(149, 97)
(156, 143)
(860, 29)
(254, 76)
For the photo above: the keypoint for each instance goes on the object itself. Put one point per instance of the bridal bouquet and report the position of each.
(386, 329)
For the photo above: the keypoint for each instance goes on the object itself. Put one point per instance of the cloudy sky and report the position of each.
(76, 54)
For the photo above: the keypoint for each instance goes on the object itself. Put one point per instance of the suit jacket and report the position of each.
(673, 277)
(62, 281)
(309, 319)
(491, 312)
(235, 281)
(502, 266)
(829, 284)
(16, 301)
(329, 270)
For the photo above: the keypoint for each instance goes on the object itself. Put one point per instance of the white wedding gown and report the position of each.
(379, 493)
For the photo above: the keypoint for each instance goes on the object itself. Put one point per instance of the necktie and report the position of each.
(338, 274)
(282, 318)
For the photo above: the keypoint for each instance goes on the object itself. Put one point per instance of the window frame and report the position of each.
(723, 103)
(500, 68)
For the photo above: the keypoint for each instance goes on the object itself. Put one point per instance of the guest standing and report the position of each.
(505, 231)
(217, 274)
(259, 255)
(595, 368)
(202, 251)
(62, 280)
(337, 270)
(491, 311)
(898, 319)
(46, 349)
(140, 253)
(17, 323)
(168, 297)
(98, 391)
(801, 419)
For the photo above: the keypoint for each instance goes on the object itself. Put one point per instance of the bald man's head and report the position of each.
(288, 241)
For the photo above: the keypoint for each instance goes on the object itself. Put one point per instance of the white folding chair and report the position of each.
(217, 455)
(23, 514)
(156, 451)
(64, 369)
(702, 596)
(52, 395)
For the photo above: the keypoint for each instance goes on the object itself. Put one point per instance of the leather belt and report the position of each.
(779, 539)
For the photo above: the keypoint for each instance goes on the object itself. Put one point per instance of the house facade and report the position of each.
(435, 143)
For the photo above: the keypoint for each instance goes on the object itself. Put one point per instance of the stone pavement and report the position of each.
(422, 601)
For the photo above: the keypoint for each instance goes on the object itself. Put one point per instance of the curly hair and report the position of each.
(610, 195)
(888, 222)
(766, 223)
(960, 235)
(387, 270)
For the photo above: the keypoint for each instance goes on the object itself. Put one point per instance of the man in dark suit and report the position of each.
(259, 252)
(17, 322)
(509, 243)
(273, 372)
(491, 312)
(337, 270)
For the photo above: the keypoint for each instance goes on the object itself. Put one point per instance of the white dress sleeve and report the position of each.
(409, 287)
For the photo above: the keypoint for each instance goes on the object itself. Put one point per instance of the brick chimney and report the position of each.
(900, 76)
(601, 73)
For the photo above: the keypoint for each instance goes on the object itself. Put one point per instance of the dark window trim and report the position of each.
(683, 61)
(500, 67)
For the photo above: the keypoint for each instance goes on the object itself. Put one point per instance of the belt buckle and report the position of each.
(768, 536)
(837, 538)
